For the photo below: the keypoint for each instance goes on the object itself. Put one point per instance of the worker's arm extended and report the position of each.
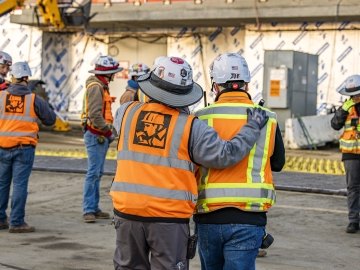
(42, 109)
(209, 150)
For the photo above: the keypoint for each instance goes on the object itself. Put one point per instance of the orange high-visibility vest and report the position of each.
(350, 139)
(106, 108)
(18, 124)
(154, 175)
(248, 185)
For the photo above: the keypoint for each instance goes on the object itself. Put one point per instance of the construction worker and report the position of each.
(132, 89)
(154, 191)
(19, 112)
(97, 123)
(232, 205)
(5, 65)
(347, 116)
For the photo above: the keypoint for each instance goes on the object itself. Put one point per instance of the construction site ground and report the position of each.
(308, 221)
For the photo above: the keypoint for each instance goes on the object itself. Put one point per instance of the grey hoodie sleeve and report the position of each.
(42, 109)
(209, 150)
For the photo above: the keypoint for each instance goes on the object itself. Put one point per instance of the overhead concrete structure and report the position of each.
(129, 17)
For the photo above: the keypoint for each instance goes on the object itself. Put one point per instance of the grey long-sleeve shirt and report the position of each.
(206, 148)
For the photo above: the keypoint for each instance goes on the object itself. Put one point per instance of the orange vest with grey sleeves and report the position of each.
(155, 177)
(18, 124)
(248, 185)
(106, 108)
(350, 139)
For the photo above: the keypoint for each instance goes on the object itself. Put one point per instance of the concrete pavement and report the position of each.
(308, 230)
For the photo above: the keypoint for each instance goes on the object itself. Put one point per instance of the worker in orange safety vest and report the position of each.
(154, 191)
(19, 112)
(97, 123)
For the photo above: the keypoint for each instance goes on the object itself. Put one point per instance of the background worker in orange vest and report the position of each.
(232, 205)
(5, 64)
(132, 92)
(97, 123)
(19, 112)
(154, 191)
(347, 116)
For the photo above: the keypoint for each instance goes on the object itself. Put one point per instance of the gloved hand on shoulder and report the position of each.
(257, 115)
(348, 104)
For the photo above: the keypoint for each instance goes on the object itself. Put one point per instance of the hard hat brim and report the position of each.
(103, 72)
(345, 93)
(168, 98)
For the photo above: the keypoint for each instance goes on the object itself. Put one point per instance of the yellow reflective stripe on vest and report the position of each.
(254, 193)
(154, 191)
(349, 144)
(259, 153)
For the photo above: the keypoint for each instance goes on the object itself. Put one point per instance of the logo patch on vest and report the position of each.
(14, 104)
(152, 129)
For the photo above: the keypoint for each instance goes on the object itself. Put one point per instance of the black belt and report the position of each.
(18, 146)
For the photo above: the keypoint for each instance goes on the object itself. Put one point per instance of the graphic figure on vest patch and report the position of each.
(14, 104)
(151, 129)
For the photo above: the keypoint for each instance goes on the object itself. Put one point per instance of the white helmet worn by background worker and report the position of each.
(106, 65)
(5, 59)
(138, 69)
(20, 70)
(351, 86)
(229, 67)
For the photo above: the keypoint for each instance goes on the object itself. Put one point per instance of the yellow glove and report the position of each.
(348, 104)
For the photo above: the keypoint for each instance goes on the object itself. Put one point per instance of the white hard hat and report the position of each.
(171, 83)
(20, 69)
(138, 69)
(106, 65)
(229, 67)
(5, 59)
(351, 86)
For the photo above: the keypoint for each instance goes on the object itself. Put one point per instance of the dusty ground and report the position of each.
(308, 230)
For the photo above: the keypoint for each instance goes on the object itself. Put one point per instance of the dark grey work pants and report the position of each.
(150, 245)
(352, 168)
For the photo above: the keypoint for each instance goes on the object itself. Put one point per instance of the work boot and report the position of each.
(4, 225)
(352, 227)
(102, 215)
(261, 253)
(89, 218)
(24, 228)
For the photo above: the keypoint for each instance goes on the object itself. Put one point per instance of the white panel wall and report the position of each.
(338, 51)
(22, 43)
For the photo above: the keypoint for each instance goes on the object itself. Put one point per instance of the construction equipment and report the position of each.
(59, 14)
(8, 5)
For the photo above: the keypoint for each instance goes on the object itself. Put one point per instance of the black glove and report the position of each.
(258, 115)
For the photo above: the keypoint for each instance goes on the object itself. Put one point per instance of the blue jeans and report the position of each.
(229, 246)
(96, 159)
(15, 166)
